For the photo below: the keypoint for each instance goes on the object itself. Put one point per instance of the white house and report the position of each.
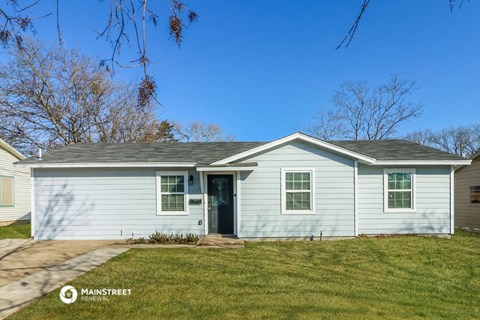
(15, 192)
(293, 187)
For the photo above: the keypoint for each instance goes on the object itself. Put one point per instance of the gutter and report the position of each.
(39, 164)
(460, 162)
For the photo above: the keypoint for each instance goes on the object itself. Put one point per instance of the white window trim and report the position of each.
(159, 193)
(413, 172)
(283, 196)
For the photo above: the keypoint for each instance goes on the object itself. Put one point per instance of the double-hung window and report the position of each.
(298, 191)
(399, 190)
(6, 191)
(172, 190)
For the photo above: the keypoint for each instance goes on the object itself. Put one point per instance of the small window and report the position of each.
(172, 189)
(399, 190)
(6, 192)
(475, 194)
(297, 191)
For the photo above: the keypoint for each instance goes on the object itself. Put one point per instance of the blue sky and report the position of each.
(262, 69)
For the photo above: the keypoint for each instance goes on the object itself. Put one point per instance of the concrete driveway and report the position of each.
(22, 257)
(30, 269)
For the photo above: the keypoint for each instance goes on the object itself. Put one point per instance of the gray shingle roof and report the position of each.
(204, 153)
(200, 152)
(395, 150)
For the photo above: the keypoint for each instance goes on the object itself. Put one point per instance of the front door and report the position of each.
(220, 203)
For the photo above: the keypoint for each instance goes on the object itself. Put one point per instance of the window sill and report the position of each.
(172, 213)
(296, 213)
(400, 211)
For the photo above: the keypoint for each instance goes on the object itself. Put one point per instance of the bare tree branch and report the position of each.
(124, 12)
(55, 97)
(59, 33)
(361, 113)
(347, 39)
(200, 132)
(353, 29)
(461, 140)
(326, 126)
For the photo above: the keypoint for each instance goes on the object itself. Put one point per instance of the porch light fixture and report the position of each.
(190, 180)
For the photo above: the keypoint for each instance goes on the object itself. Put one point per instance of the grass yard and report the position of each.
(391, 278)
(15, 231)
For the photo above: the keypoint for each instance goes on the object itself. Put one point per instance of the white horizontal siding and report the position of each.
(21, 209)
(261, 194)
(106, 204)
(432, 214)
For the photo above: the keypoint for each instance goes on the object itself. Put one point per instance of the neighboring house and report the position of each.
(467, 194)
(15, 192)
(293, 187)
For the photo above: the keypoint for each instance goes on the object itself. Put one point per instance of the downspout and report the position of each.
(452, 199)
(32, 203)
(239, 200)
(355, 205)
(32, 195)
(205, 200)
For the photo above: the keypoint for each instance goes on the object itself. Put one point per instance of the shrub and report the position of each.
(393, 235)
(163, 238)
(138, 241)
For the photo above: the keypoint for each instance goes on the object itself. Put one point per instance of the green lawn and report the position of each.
(367, 278)
(15, 231)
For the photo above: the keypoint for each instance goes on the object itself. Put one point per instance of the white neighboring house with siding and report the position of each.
(294, 187)
(15, 192)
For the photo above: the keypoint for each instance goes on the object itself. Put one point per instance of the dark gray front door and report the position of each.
(220, 204)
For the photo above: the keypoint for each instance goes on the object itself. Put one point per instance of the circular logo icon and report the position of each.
(68, 294)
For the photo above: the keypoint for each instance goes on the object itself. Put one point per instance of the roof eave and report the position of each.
(228, 167)
(39, 164)
(459, 162)
(11, 150)
(475, 156)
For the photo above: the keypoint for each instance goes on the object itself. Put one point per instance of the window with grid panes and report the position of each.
(298, 191)
(172, 192)
(399, 190)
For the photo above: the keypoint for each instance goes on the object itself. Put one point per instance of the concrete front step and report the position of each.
(219, 241)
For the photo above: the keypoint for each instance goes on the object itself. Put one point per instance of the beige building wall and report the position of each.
(467, 214)
(21, 179)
